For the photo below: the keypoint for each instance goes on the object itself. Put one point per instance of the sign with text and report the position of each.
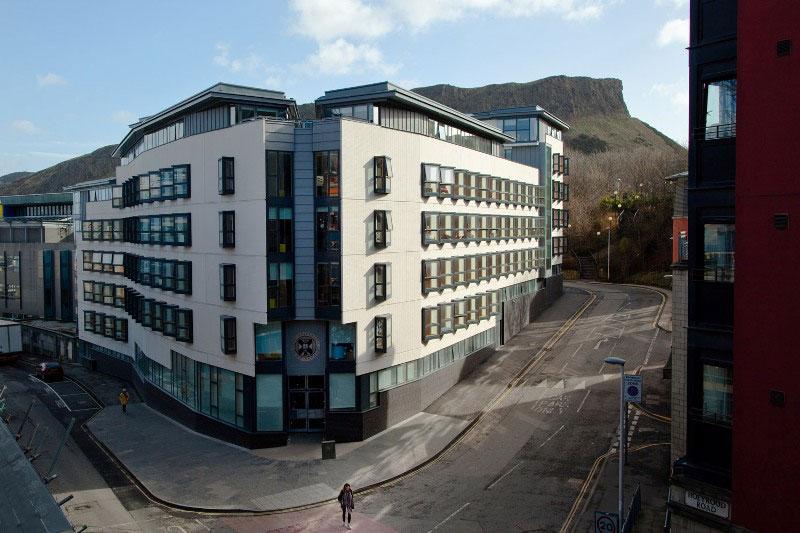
(705, 503)
(633, 388)
(606, 522)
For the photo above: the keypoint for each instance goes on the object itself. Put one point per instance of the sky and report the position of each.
(74, 74)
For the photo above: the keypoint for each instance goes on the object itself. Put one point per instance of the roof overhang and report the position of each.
(220, 92)
(527, 111)
(389, 92)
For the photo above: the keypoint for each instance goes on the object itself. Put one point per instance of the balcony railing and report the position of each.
(717, 131)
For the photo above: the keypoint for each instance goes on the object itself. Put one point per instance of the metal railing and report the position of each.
(717, 131)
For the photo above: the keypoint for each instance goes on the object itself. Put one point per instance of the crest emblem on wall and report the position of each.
(306, 346)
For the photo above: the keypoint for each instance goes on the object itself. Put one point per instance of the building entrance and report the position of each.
(306, 403)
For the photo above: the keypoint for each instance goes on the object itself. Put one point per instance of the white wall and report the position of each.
(360, 143)
(245, 143)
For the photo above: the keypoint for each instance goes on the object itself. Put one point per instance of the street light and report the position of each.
(608, 255)
(621, 364)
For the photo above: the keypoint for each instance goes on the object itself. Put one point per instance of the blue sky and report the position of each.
(74, 74)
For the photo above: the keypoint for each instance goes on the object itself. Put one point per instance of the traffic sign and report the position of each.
(633, 388)
(606, 522)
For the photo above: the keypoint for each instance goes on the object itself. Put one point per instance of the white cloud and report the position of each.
(674, 31)
(341, 56)
(25, 126)
(46, 80)
(672, 3)
(677, 94)
(123, 117)
(250, 66)
(326, 20)
(346, 31)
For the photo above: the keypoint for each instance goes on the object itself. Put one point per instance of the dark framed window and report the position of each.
(382, 221)
(430, 323)
(280, 285)
(381, 334)
(328, 238)
(430, 179)
(170, 324)
(719, 250)
(565, 166)
(225, 178)
(279, 174)
(227, 282)
(328, 284)
(227, 229)
(556, 163)
(227, 334)
(720, 109)
(183, 181)
(116, 197)
(279, 230)
(184, 325)
(158, 316)
(382, 167)
(88, 320)
(380, 272)
(326, 171)
(121, 329)
(447, 181)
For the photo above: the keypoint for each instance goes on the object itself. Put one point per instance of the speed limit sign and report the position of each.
(606, 522)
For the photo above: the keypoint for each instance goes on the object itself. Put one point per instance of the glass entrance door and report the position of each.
(306, 403)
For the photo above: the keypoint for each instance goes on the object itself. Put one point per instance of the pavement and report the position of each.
(206, 473)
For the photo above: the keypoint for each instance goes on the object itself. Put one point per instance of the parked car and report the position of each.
(51, 371)
(8, 358)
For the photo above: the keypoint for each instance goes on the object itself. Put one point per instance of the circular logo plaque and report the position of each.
(306, 346)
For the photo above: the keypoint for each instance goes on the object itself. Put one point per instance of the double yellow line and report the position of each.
(598, 463)
(516, 381)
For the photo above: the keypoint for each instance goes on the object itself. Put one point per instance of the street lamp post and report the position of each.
(621, 364)
(608, 255)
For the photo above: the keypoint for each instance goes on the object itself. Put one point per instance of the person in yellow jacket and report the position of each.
(123, 400)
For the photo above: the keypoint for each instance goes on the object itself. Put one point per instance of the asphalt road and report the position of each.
(519, 469)
(522, 466)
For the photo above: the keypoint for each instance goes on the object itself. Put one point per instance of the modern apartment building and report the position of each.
(36, 256)
(537, 141)
(736, 419)
(255, 275)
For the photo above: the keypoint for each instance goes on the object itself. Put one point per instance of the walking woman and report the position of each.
(347, 502)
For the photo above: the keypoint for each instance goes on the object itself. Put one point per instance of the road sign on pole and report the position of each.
(606, 522)
(633, 388)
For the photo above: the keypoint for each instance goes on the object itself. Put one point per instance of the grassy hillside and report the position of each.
(95, 165)
(14, 176)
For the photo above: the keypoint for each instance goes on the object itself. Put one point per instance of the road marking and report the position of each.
(202, 524)
(449, 517)
(496, 481)
(602, 365)
(583, 401)
(553, 435)
(601, 341)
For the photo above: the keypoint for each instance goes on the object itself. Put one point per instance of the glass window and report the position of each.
(380, 271)
(342, 391)
(269, 342)
(447, 180)
(279, 230)
(269, 402)
(382, 221)
(383, 174)
(279, 174)
(227, 229)
(720, 119)
(280, 285)
(430, 179)
(225, 178)
(718, 393)
(227, 334)
(226, 395)
(342, 341)
(327, 235)
(381, 334)
(719, 249)
(326, 172)
(430, 323)
(227, 282)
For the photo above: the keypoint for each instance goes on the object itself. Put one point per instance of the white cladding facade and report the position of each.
(308, 339)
